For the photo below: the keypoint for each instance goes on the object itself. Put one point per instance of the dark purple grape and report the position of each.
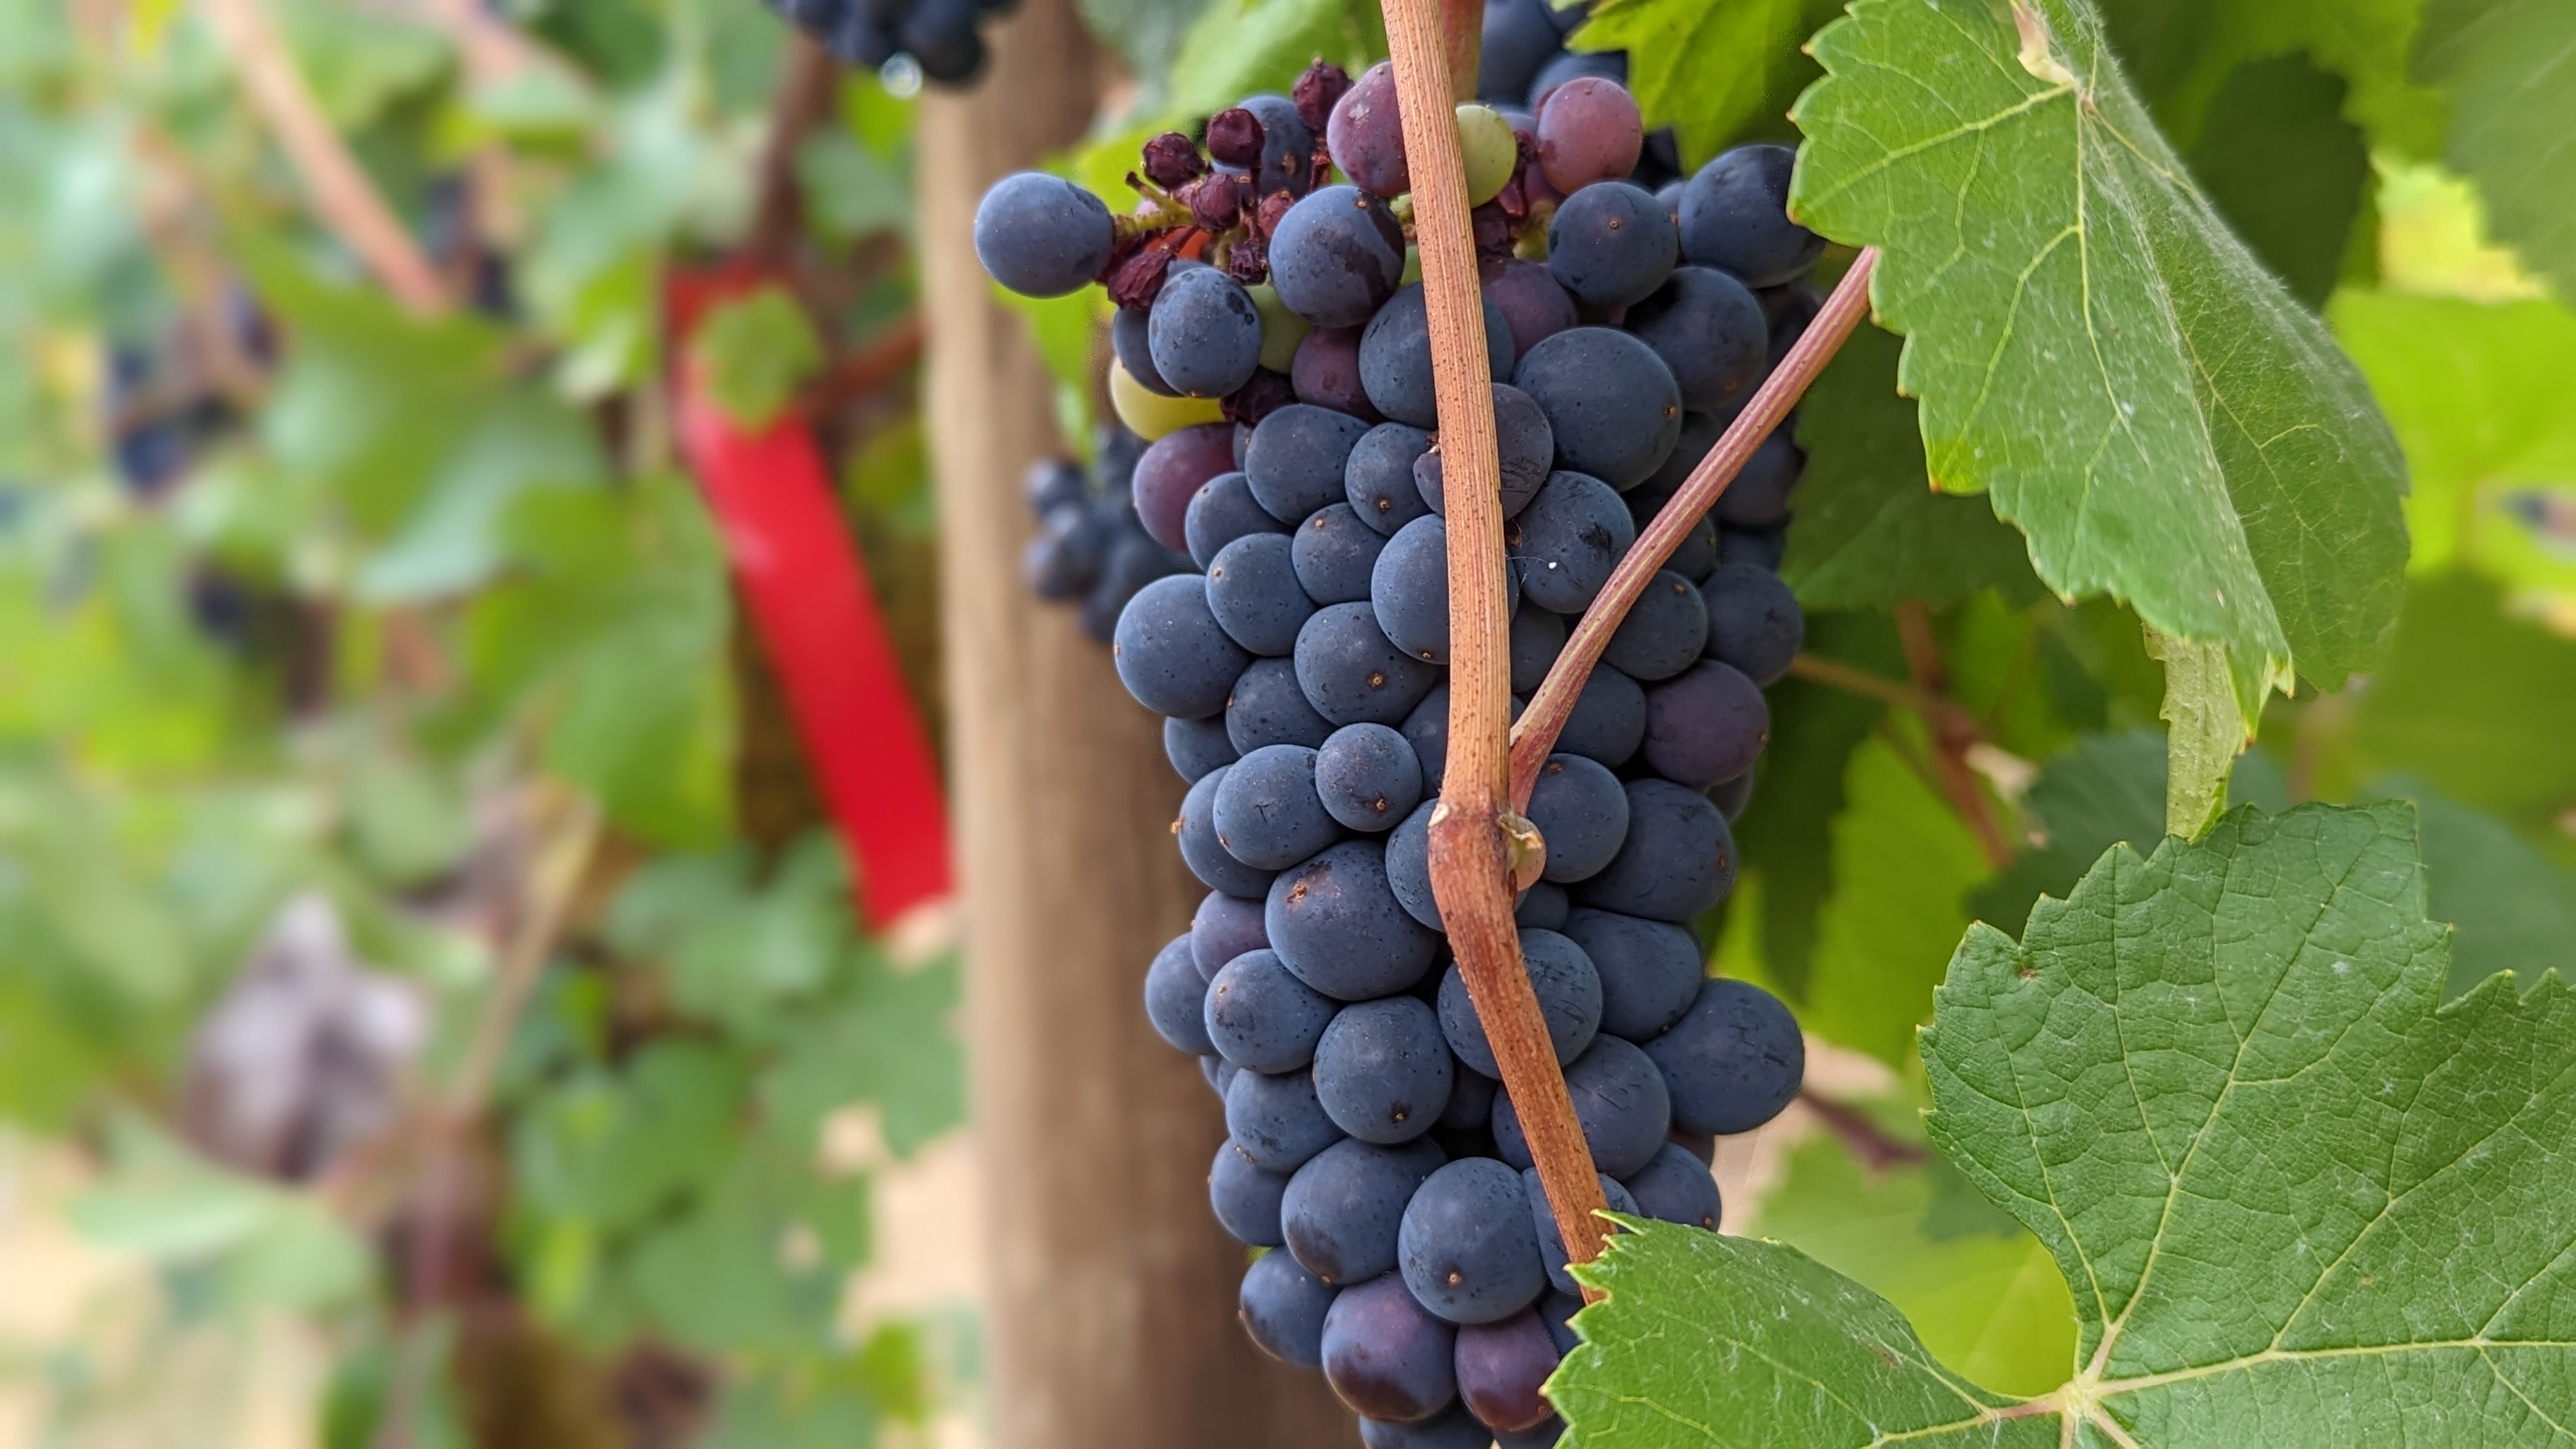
(1569, 539)
(1608, 721)
(1344, 1210)
(1352, 673)
(1246, 1198)
(1336, 256)
(1378, 480)
(1759, 496)
(1223, 928)
(1500, 1368)
(1581, 811)
(1731, 796)
(1283, 1308)
(1678, 859)
(1663, 633)
(1519, 37)
(1365, 136)
(1569, 1002)
(1276, 1120)
(1613, 404)
(1207, 859)
(1525, 447)
(1532, 304)
(1268, 707)
(1733, 1060)
(1543, 907)
(1754, 622)
(1369, 777)
(1253, 593)
(1551, 1242)
(1222, 511)
(1326, 372)
(1589, 131)
(1619, 1099)
(1041, 235)
(1395, 357)
(1456, 1429)
(1408, 865)
(1760, 547)
(1196, 746)
(1260, 1017)
(1650, 970)
(1335, 921)
(1735, 217)
(1171, 473)
(1171, 653)
(1130, 338)
(1465, 1253)
(1266, 812)
(1385, 1357)
(1287, 147)
(1538, 636)
(1335, 552)
(1173, 993)
(1611, 246)
(1296, 459)
(1383, 1071)
(1677, 1188)
(1705, 725)
(1709, 329)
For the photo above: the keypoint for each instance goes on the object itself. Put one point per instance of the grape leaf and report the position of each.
(884, 1038)
(2510, 908)
(2296, 1204)
(2509, 69)
(1238, 47)
(2285, 168)
(1702, 69)
(2092, 346)
(754, 353)
(2205, 732)
(2474, 700)
(1870, 530)
(2181, 53)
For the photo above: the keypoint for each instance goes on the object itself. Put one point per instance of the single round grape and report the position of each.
(1569, 539)
(1466, 1253)
(1588, 131)
(1519, 36)
(1246, 1198)
(1663, 632)
(1706, 724)
(1335, 921)
(1735, 217)
(1395, 357)
(1154, 416)
(1542, 907)
(1209, 861)
(1408, 865)
(1267, 814)
(1677, 1188)
(1569, 1002)
(1283, 1308)
(1491, 153)
(1609, 65)
(940, 36)
(1171, 473)
(1282, 332)
(1551, 1242)
(1368, 776)
(1620, 1100)
(1454, 1429)
(1134, 561)
(1611, 245)
(1702, 1146)
(1335, 553)
(1130, 339)
(1678, 859)
(1608, 721)
(1351, 672)
(1384, 1356)
(1344, 1209)
(1365, 134)
(1650, 970)
(1759, 496)
(1613, 404)
(1501, 1366)
(1382, 1070)
(1276, 1120)
(1525, 447)
(1733, 1060)
(1409, 589)
(1267, 707)
(1297, 456)
(1754, 622)
(1196, 746)
(1041, 235)
(1378, 479)
(1337, 255)
(1219, 1074)
(1222, 511)
(1532, 304)
(1326, 373)
(1173, 993)
(1581, 811)
(1538, 636)
(1252, 591)
(1170, 652)
(1223, 928)
(1710, 331)
(1069, 554)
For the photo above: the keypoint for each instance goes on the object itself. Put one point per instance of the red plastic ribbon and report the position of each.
(817, 616)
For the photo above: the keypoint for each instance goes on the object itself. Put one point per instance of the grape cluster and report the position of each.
(937, 40)
(1272, 345)
(1090, 551)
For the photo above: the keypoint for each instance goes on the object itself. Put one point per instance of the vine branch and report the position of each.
(1953, 733)
(342, 192)
(1476, 840)
(1545, 718)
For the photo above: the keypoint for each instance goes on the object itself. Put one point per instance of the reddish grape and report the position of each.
(1590, 131)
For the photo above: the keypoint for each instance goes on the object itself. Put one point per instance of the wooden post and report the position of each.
(1110, 1321)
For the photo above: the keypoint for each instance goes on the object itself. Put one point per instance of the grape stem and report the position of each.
(1473, 826)
(1545, 718)
(1954, 732)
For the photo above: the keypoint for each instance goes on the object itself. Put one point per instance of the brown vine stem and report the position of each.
(1545, 718)
(342, 191)
(1473, 830)
(1953, 733)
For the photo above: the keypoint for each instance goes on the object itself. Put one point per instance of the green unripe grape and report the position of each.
(1281, 329)
(1150, 415)
(1485, 141)
(1412, 266)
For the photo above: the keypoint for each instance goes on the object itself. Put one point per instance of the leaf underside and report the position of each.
(2093, 346)
(2296, 1203)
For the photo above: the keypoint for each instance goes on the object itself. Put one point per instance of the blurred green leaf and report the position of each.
(2509, 907)
(616, 1147)
(737, 948)
(2474, 700)
(885, 1038)
(2280, 162)
(2503, 66)
(1238, 47)
(754, 353)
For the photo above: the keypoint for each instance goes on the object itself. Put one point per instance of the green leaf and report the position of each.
(1239, 47)
(615, 1148)
(1982, 1292)
(2474, 700)
(2182, 53)
(2285, 168)
(2509, 70)
(1871, 531)
(1703, 69)
(2092, 346)
(1146, 33)
(885, 1038)
(2204, 735)
(754, 354)
(738, 949)
(2509, 907)
(1903, 866)
(2477, 393)
(2296, 1203)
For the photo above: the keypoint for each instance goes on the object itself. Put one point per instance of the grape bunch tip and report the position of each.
(1262, 543)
